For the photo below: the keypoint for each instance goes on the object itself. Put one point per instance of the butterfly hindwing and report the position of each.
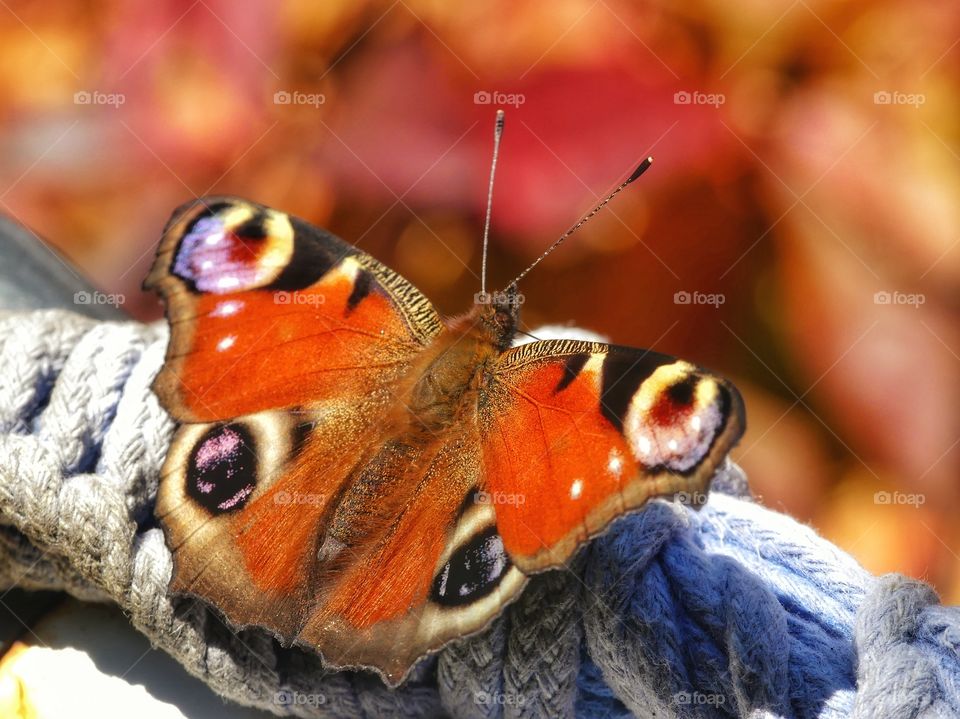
(437, 572)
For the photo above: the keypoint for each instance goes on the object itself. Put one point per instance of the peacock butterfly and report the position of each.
(362, 477)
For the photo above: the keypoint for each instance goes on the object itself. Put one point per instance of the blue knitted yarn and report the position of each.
(733, 610)
(736, 610)
(909, 652)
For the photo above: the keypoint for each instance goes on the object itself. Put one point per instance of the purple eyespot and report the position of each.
(220, 260)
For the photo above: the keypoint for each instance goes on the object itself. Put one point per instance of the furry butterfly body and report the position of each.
(361, 477)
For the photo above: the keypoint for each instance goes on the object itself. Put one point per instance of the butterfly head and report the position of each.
(497, 314)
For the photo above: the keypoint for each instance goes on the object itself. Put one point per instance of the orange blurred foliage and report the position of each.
(806, 179)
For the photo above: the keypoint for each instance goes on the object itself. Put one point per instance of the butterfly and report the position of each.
(364, 478)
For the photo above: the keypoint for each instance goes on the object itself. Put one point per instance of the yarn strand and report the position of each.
(730, 611)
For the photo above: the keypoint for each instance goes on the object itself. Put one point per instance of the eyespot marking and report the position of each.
(232, 247)
(222, 469)
(623, 375)
(674, 418)
(473, 571)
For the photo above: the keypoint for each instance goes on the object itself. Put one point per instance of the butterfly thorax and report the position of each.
(458, 364)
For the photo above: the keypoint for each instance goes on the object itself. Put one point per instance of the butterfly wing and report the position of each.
(285, 342)
(266, 310)
(577, 433)
(298, 497)
(437, 572)
(564, 438)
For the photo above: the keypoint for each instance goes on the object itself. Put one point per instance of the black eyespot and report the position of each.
(473, 571)
(253, 229)
(222, 470)
(681, 393)
(624, 370)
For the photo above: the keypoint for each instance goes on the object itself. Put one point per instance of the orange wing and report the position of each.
(267, 311)
(301, 494)
(577, 433)
(285, 346)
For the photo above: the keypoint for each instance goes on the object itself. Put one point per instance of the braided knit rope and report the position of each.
(730, 611)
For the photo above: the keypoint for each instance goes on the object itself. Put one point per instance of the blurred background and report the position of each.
(799, 231)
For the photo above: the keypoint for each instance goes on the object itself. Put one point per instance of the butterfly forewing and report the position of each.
(577, 433)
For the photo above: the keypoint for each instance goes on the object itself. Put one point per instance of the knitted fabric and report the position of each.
(733, 610)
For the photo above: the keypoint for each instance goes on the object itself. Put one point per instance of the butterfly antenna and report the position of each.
(641, 168)
(528, 334)
(497, 134)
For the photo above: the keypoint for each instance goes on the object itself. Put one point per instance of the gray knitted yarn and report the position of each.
(734, 599)
(82, 438)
